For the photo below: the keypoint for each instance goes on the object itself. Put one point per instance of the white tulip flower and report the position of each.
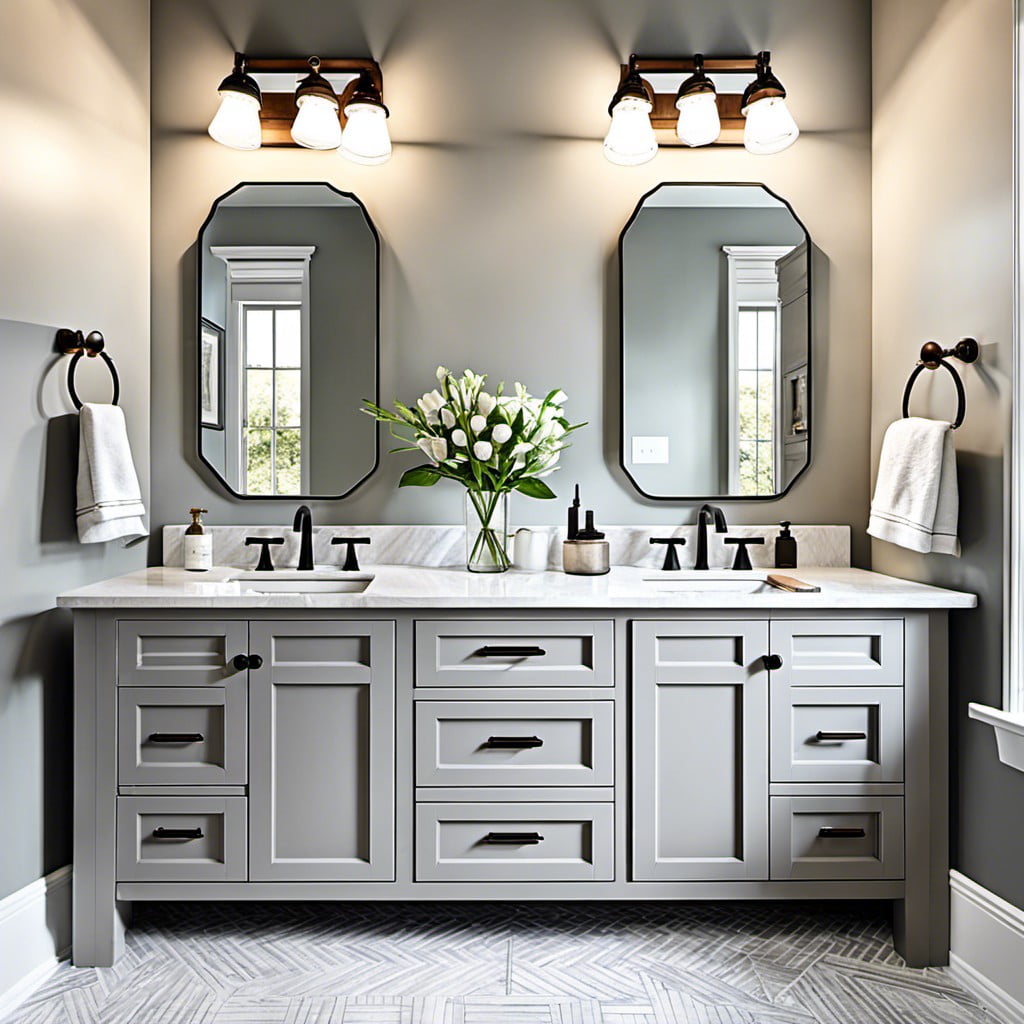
(448, 418)
(477, 424)
(459, 438)
(486, 403)
(483, 450)
(501, 433)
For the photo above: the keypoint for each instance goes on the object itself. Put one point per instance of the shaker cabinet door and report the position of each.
(322, 777)
(700, 749)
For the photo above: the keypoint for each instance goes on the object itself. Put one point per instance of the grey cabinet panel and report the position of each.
(515, 743)
(178, 653)
(506, 842)
(537, 652)
(838, 652)
(322, 732)
(837, 837)
(700, 750)
(211, 847)
(181, 736)
(836, 734)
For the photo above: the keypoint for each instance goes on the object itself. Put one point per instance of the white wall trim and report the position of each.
(35, 934)
(987, 947)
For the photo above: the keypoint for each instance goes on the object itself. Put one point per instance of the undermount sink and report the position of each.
(701, 584)
(292, 581)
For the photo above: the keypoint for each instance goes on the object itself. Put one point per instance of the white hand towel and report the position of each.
(916, 502)
(109, 497)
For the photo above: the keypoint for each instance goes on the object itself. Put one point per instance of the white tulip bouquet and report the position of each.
(492, 444)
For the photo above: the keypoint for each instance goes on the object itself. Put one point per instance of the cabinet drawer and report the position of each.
(838, 652)
(514, 842)
(521, 653)
(837, 837)
(181, 736)
(836, 734)
(163, 653)
(514, 743)
(181, 839)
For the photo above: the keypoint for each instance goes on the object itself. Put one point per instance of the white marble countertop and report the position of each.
(412, 587)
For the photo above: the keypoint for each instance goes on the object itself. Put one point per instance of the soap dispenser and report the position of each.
(785, 548)
(587, 553)
(198, 544)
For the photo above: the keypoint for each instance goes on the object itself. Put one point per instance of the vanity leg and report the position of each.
(98, 920)
(921, 919)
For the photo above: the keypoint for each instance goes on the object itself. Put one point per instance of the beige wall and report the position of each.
(499, 216)
(943, 262)
(74, 225)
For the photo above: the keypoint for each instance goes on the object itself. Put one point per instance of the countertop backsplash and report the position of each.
(445, 546)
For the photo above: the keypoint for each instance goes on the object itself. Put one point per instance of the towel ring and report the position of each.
(933, 355)
(74, 344)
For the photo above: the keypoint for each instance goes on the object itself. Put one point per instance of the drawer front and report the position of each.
(523, 653)
(514, 842)
(181, 736)
(163, 653)
(838, 652)
(514, 743)
(202, 839)
(836, 734)
(837, 837)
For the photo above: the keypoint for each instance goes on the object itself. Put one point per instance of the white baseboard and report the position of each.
(35, 933)
(987, 947)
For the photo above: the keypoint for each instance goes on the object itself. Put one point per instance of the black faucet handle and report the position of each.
(671, 557)
(351, 561)
(265, 563)
(742, 560)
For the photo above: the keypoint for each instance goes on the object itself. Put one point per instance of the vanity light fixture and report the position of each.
(316, 125)
(703, 111)
(237, 121)
(316, 103)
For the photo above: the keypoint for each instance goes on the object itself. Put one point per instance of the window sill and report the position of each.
(1009, 727)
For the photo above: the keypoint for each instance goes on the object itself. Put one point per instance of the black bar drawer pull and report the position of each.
(511, 651)
(175, 737)
(178, 833)
(513, 742)
(823, 736)
(841, 833)
(512, 838)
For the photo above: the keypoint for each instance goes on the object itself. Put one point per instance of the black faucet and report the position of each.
(704, 516)
(304, 524)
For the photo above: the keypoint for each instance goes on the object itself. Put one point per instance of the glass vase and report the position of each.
(487, 531)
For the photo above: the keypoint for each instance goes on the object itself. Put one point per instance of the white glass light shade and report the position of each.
(630, 139)
(316, 126)
(699, 124)
(770, 127)
(237, 121)
(366, 139)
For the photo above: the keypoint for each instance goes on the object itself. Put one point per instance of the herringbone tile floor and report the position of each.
(491, 963)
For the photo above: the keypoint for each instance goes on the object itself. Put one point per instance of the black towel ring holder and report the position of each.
(933, 355)
(74, 344)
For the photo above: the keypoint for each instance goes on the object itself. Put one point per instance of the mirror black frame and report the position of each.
(375, 398)
(622, 349)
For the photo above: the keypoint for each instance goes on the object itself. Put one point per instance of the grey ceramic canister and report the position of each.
(587, 553)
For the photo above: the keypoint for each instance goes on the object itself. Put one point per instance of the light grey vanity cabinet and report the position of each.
(322, 710)
(700, 750)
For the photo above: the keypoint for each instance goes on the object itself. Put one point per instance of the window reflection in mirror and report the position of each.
(288, 340)
(715, 343)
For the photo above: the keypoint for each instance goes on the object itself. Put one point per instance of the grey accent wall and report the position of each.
(500, 217)
(74, 220)
(676, 322)
(943, 263)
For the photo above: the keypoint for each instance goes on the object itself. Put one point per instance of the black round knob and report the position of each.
(772, 661)
(241, 662)
(255, 661)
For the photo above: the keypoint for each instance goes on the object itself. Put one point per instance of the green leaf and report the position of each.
(419, 476)
(534, 488)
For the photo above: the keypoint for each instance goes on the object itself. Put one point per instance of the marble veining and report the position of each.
(445, 546)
